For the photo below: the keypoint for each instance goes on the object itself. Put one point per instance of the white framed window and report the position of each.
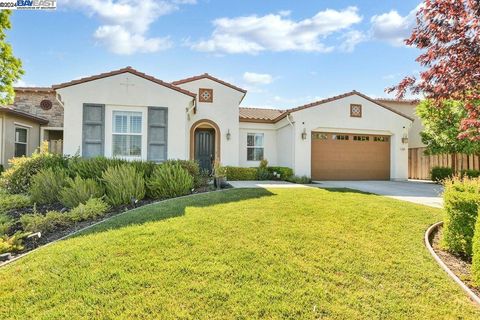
(127, 134)
(255, 148)
(21, 141)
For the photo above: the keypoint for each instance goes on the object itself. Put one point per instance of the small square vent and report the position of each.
(356, 110)
(205, 95)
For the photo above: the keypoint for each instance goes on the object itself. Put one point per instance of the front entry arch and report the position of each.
(205, 143)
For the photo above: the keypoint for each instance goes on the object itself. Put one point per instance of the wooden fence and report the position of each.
(55, 146)
(419, 164)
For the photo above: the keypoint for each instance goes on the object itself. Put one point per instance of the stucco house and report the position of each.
(132, 115)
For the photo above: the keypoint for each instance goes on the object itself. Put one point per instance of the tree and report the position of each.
(442, 127)
(448, 33)
(10, 67)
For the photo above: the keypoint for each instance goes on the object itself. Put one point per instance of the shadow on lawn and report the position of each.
(347, 190)
(175, 208)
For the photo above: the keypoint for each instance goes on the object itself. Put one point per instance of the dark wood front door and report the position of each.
(205, 148)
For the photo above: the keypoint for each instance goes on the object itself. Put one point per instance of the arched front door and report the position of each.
(205, 148)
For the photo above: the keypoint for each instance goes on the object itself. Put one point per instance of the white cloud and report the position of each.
(351, 40)
(392, 27)
(126, 22)
(277, 32)
(23, 83)
(257, 78)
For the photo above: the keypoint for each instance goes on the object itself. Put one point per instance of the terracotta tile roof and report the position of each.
(23, 115)
(407, 101)
(34, 89)
(120, 71)
(207, 76)
(259, 115)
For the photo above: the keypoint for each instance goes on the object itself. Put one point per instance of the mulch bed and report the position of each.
(33, 243)
(460, 266)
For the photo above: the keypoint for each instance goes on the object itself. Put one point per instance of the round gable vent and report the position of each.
(46, 104)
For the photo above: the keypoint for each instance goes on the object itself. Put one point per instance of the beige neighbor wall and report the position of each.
(335, 116)
(223, 111)
(7, 136)
(408, 108)
(115, 95)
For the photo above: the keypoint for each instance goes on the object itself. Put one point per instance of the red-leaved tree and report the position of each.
(448, 33)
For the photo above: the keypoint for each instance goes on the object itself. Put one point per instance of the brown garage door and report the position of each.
(344, 156)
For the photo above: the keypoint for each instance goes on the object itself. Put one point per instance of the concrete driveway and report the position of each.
(421, 192)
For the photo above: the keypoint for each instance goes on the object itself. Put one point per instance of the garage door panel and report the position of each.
(350, 159)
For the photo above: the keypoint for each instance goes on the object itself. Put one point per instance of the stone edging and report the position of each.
(452, 275)
(102, 221)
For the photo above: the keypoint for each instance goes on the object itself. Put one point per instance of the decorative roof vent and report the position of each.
(46, 104)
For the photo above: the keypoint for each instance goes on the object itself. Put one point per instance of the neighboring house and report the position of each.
(128, 114)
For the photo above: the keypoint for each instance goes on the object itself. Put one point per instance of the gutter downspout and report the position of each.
(293, 140)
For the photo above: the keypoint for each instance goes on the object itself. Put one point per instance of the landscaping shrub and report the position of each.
(47, 184)
(123, 185)
(461, 200)
(199, 178)
(17, 178)
(299, 180)
(11, 244)
(239, 173)
(470, 173)
(79, 190)
(476, 254)
(13, 201)
(284, 172)
(44, 223)
(92, 209)
(144, 167)
(169, 180)
(1, 169)
(5, 224)
(439, 174)
(264, 174)
(91, 168)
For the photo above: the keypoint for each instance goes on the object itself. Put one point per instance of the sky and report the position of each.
(285, 53)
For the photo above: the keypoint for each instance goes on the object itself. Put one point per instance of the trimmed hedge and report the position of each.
(285, 172)
(240, 173)
(476, 255)
(470, 173)
(461, 201)
(440, 174)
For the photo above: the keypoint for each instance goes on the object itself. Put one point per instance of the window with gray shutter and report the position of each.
(93, 136)
(157, 134)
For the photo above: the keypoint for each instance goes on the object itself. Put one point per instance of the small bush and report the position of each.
(168, 181)
(470, 173)
(92, 209)
(440, 174)
(461, 200)
(13, 201)
(123, 185)
(79, 190)
(17, 178)
(239, 173)
(263, 164)
(1, 169)
(11, 244)
(476, 254)
(47, 184)
(193, 169)
(5, 224)
(144, 167)
(264, 174)
(44, 223)
(91, 168)
(300, 180)
(284, 172)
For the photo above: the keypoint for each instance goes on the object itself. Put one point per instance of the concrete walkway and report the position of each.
(421, 192)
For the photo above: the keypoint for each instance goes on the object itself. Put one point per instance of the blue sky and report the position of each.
(286, 53)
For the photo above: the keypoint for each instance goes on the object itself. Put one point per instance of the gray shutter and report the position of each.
(93, 136)
(157, 134)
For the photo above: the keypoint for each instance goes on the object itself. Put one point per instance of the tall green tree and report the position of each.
(442, 127)
(10, 67)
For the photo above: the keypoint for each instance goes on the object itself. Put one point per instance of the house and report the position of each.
(132, 115)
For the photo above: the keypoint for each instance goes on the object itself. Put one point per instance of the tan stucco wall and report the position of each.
(414, 140)
(7, 136)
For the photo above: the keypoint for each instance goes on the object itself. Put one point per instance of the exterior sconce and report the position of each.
(405, 136)
(229, 135)
(304, 134)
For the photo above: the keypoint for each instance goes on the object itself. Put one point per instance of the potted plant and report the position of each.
(219, 175)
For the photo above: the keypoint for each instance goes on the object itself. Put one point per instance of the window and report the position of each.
(356, 110)
(255, 146)
(381, 139)
(361, 138)
(319, 136)
(339, 137)
(21, 143)
(127, 134)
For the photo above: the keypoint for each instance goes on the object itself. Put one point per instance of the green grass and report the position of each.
(243, 254)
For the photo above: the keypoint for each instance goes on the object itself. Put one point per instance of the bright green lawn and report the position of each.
(243, 254)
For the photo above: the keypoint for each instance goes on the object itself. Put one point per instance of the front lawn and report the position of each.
(243, 254)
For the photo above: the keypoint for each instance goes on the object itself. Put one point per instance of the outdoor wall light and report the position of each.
(229, 135)
(405, 136)
(304, 134)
